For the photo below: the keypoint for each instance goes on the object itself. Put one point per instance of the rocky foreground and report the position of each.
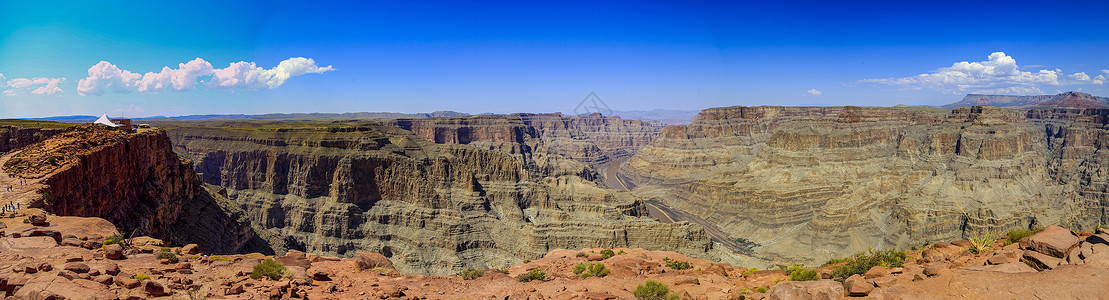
(55, 257)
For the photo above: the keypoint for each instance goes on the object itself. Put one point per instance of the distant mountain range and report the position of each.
(1068, 99)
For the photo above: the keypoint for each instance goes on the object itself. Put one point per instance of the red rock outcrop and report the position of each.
(15, 136)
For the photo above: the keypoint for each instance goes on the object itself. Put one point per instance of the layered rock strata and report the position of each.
(14, 137)
(828, 182)
(133, 180)
(339, 188)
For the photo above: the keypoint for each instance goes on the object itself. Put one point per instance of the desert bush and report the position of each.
(167, 255)
(471, 273)
(607, 253)
(623, 252)
(677, 264)
(799, 273)
(863, 261)
(219, 258)
(533, 274)
(1016, 234)
(587, 270)
(268, 268)
(761, 289)
(114, 239)
(653, 290)
(582, 254)
(981, 243)
(751, 270)
(141, 277)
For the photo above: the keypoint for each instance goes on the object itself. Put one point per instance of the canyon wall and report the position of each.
(469, 202)
(591, 139)
(16, 136)
(814, 183)
(133, 180)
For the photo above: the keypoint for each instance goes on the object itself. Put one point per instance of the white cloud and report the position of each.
(815, 92)
(1080, 76)
(249, 76)
(999, 74)
(44, 86)
(104, 76)
(18, 83)
(2, 80)
(239, 75)
(1099, 80)
(50, 87)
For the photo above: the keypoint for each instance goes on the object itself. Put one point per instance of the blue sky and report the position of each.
(91, 57)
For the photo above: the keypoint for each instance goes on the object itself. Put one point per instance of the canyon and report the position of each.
(435, 196)
(806, 184)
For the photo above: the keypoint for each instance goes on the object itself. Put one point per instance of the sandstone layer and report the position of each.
(20, 135)
(812, 183)
(133, 180)
(339, 188)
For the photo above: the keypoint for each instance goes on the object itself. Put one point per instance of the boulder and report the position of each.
(370, 260)
(875, 272)
(153, 288)
(1040, 261)
(190, 249)
(1053, 240)
(318, 274)
(130, 283)
(72, 242)
(857, 286)
(806, 290)
(599, 296)
(998, 259)
(45, 267)
(111, 268)
(934, 269)
(37, 218)
(54, 287)
(77, 267)
(113, 251)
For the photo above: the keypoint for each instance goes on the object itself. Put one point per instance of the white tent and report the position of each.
(103, 120)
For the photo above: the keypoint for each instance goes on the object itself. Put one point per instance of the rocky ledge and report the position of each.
(54, 257)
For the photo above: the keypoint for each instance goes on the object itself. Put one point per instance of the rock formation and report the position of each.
(134, 180)
(20, 135)
(340, 188)
(1064, 100)
(814, 183)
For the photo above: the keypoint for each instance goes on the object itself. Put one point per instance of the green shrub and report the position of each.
(761, 289)
(582, 254)
(527, 260)
(1016, 234)
(622, 251)
(981, 244)
(268, 268)
(653, 290)
(471, 273)
(587, 270)
(165, 249)
(140, 277)
(114, 239)
(607, 253)
(167, 255)
(863, 261)
(835, 261)
(219, 258)
(678, 265)
(751, 270)
(799, 273)
(533, 274)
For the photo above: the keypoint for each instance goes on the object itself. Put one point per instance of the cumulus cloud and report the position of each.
(105, 76)
(1080, 76)
(50, 87)
(43, 85)
(815, 92)
(998, 74)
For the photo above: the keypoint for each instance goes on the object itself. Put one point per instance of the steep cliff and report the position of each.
(591, 139)
(813, 183)
(15, 134)
(339, 188)
(133, 180)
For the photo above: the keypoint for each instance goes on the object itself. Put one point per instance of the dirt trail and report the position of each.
(23, 191)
